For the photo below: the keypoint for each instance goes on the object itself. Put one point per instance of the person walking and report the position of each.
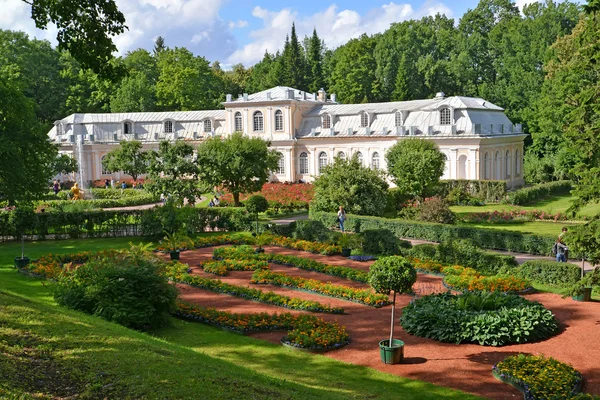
(106, 183)
(561, 247)
(56, 187)
(341, 217)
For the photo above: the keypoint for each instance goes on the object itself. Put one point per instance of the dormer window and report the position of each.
(445, 116)
(364, 120)
(207, 125)
(168, 126)
(326, 121)
(398, 119)
(127, 128)
(279, 120)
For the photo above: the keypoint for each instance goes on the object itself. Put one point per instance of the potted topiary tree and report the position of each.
(256, 204)
(582, 290)
(392, 274)
(345, 242)
(174, 243)
(22, 219)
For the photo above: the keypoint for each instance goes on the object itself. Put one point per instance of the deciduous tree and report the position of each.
(129, 158)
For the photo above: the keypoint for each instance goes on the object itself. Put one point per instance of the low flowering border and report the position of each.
(222, 267)
(247, 253)
(467, 279)
(427, 266)
(50, 266)
(178, 272)
(363, 296)
(539, 377)
(305, 331)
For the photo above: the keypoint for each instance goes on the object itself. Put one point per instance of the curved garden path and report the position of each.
(466, 366)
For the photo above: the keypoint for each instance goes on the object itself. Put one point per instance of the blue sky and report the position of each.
(239, 31)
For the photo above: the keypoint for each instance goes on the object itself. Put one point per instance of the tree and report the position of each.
(135, 94)
(256, 204)
(294, 63)
(129, 158)
(173, 173)
(64, 164)
(415, 165)
(85, 30)
(159, 45)
(237, 163)
(315, 51)
(361, 190)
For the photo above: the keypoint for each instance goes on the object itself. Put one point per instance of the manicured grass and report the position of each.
(59, 352)
(537, 227)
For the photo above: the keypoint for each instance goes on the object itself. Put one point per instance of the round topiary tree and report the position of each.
(256, 204)
(392, 274)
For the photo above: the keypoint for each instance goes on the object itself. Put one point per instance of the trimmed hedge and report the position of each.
(465, 253)
(139, 200)
(484, 238)
(382, 242)
(563, 275)
(484, 190)
(531, 194)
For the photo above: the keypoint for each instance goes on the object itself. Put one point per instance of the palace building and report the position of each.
(311, 129)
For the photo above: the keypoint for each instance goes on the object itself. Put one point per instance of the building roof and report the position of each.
(179, 116)
(277, 93)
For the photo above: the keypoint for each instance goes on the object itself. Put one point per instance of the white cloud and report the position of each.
(16, 16)
(237, 24)
(335, 26)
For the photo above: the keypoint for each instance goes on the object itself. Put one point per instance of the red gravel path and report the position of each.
(466, 367)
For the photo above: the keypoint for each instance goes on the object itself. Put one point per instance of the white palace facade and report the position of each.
(310, 130)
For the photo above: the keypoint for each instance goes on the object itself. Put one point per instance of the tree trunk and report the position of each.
(392, 324)
(236, 199)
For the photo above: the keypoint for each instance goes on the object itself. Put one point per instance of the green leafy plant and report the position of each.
(382, 241)
(176, 242)
(392, 274)
(23, 219)
(436, 209)
(544, 272)
(589, 280)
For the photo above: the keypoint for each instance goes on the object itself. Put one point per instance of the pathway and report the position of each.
(466, 367)
(288, 220)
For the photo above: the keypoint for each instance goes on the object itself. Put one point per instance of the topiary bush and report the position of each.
(313, 231)
(437, 210)
(382, 241)
(562, 275)
(485, 318)
(128, 287)
(256, 204)
(423, 251)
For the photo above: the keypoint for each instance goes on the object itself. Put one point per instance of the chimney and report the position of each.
(268, 95)
(303, 95)
(228, 98)
(440, 95)
(333, 97)
(322, 95)
(245, 96)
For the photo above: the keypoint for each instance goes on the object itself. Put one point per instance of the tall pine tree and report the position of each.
(315, 63)
(294, 62)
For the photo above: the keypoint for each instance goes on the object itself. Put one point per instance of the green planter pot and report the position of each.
(585, 296)
(346, 252)
(21, 263)
(391, 354)
(174, 255)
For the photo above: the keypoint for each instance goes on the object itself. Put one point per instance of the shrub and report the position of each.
(485, 318)
(562, 275)
(436, 209)
(381, 241)
(256, 204)
(484, 238)
(481, 190)
(467, 279)
(465, 253)
(459, 197)
(127, 287)
(423, 251)
(531, 194)
(313, 231)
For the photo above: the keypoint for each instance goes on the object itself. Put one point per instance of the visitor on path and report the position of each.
(211, 204)
(56, 187)
(123, 185)
(216, 201)
(106, 184)
(561, 247)
(341, 218)
(112, 183)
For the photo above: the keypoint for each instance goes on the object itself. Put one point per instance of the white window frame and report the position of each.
(398, 119)
(375, 160)
(280, 164)
(207, 126)
(486, 167)
(445, 116)
(238, 123)
(303, 163)
(359, 156)
(278, 121)
(102, 170)
(364, 119)
(127, 127)
(168, 126)
(258, 121)
(326, 121)
(341, 155)
(323, 161)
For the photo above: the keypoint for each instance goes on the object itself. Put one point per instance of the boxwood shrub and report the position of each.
(485, 318)
(383, 242)
(484, 238)
(465, 253)
(562, 275)
(531, 194)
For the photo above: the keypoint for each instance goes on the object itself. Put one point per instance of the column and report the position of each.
(473, 164)
(453, 169)
(289, 170)
(315, 163)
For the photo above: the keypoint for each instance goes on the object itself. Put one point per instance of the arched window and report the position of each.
(359, 156)
(341, 155)
(281, 164)
(303, 163)
(486, 166)
(239, 125)
(517, 163)
(498, 166)
(507, 163)
(398, 119)
(445, 116)
(207, 125)
(375, 160)
(326, 121)
(364, 120)
(258, 121)
(278, 120)
(104, 170)
(322, 161)
(127, 128)
(168, 126)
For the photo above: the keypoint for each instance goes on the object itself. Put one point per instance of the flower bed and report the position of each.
(178, 272)
(50, 266)
(247, 253)
(427, 266)
(221, 267)
(363, 296)
(281, 197)
(539, 377)
(363, 258)
(305, 331)
(463, 279)
(485, 318)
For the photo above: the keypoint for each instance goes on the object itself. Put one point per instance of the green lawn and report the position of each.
(538, 227)
(47, 349)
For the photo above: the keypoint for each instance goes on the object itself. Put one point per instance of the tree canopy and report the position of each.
(360, 189)
(415, 165)
(237, 163)
(129, 158)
